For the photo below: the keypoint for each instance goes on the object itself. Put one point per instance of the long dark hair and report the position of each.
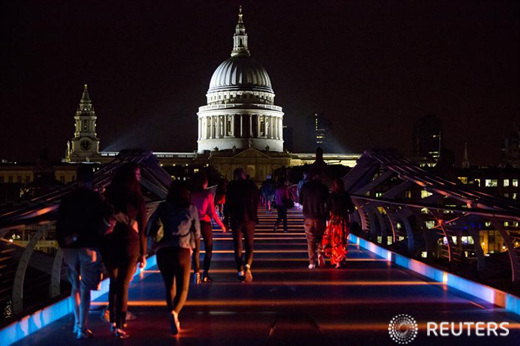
(198, 181)
(125, 187)
(179, 194)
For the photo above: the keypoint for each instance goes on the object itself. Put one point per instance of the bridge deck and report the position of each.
(289, 304)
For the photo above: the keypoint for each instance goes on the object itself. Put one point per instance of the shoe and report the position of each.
(206, 277)
(121, 334)
(196, 278)
(129, 317)
(84, 334)
(113, 327)
(248, 275)
(175, 325)
(105, 315)
(321, 261)
(241, 276)
(312, 266)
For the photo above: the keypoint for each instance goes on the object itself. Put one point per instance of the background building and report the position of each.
(240, 113)
(321, 129)
(511, 148)
(84, 146)
(427, 139)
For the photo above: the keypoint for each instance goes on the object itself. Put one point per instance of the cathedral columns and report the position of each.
(241, 125)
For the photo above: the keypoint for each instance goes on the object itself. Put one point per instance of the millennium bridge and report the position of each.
(416, 272)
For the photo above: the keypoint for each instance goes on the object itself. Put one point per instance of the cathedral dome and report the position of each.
(240, 72)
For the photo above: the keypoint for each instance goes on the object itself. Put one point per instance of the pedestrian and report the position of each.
(241, 212)
(313, 198)
(302, 182)
(283, 201)
(181, 230)
(125, 246)
(79, 227)
(202, 198)
(335, 239)
(268, 191)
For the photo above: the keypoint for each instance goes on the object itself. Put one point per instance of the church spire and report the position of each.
(85, 104)
(240, 47)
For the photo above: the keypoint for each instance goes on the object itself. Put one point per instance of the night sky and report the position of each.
(372, 67)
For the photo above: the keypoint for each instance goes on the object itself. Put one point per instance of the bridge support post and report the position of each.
(21, 269)
(56, 274)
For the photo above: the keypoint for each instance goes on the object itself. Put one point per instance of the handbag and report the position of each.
(155, 232)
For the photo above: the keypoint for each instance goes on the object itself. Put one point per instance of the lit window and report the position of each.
(514, 182)
(379, 194)
(491, 183)
(425, 194)
(463, 180)
(506, 182)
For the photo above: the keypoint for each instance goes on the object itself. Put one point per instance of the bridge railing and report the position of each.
(30, 277)
(427, 217)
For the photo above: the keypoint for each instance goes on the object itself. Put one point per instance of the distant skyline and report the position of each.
(372, 67)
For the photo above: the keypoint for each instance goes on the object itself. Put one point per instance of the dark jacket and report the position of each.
(313, 197)
(241, 201)
(80, 219)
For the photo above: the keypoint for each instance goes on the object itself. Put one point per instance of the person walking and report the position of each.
(313, 197)
(125, 246)
(282, 199)
(79, 227)
(268, 193)
(181, 231)
(202, 199)
(335, 239)
(241, 212)
(302, 182)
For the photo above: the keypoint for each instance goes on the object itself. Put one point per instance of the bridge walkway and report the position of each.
(288, 304)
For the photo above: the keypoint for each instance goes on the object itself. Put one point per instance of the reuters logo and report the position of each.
(403, 329)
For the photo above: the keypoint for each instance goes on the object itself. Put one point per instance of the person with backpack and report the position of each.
(178, 221)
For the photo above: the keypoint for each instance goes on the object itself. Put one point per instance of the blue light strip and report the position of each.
(491, 295)
(42, 318)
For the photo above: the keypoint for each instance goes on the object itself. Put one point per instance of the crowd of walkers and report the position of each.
(110, 229)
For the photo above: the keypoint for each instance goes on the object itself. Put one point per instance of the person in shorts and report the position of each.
(79, 226)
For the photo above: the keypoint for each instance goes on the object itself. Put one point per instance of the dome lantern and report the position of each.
(240, 38)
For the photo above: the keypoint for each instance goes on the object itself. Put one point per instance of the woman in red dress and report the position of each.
(335, 239)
